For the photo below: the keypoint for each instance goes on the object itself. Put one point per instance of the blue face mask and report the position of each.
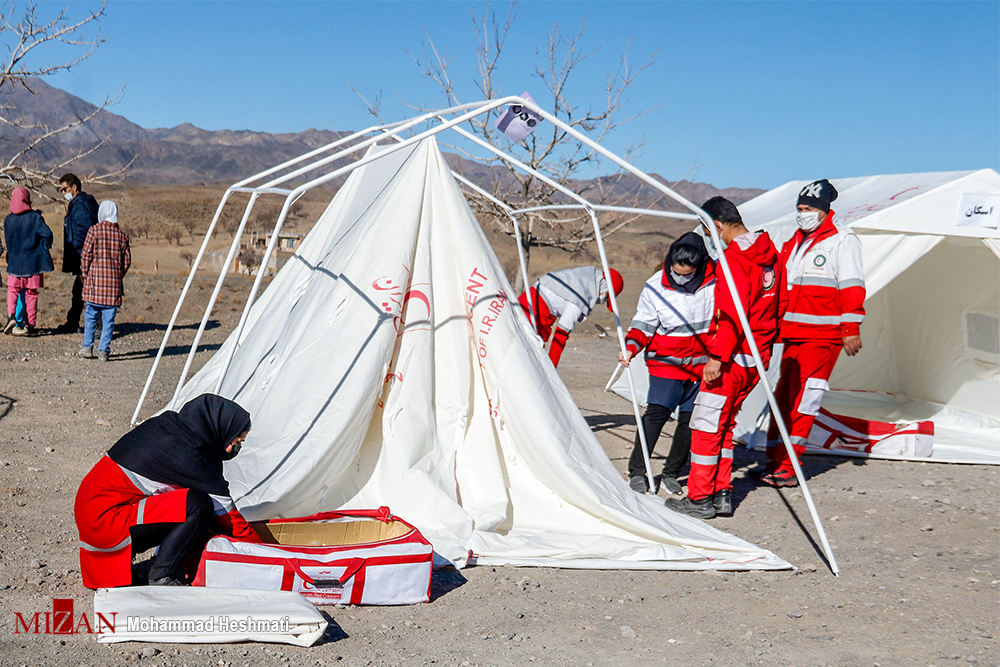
(682, 280)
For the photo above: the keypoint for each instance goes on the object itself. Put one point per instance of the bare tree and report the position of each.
(250, 257)
(549, 150)
(190, 224)
(173, 234)
(28, 37)
(188, 258)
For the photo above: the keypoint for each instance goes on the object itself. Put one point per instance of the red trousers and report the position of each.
(712, 423)
(543, 318)
(805, 368)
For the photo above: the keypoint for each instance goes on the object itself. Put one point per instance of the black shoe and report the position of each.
(757, 473)
(32, 331)
(700, 509)
(671, 485)
(166, 581)
(780, 479)
(723, 502)
(638, 484)
(11, 323)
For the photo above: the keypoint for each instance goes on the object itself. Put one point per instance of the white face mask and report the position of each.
(807, 220)
(68, 196)
(682, 280)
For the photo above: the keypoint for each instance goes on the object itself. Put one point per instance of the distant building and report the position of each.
(286, 246)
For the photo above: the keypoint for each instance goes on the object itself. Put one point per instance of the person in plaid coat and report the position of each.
(105, 260)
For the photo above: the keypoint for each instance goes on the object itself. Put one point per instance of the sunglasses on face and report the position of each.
(520, 112)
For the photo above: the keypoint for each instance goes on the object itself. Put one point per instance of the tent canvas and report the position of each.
(932, 329)
(386, 365)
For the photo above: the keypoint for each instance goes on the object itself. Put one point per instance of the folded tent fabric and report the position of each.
(192, 615)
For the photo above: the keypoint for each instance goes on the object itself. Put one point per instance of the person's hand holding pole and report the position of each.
(624, 358)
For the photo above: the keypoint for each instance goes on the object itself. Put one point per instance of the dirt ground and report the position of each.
(917, 543)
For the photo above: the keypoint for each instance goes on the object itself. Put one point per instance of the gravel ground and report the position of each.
(917, 543)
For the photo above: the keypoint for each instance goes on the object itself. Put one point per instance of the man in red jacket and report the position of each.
(825, 308)
(730, 373)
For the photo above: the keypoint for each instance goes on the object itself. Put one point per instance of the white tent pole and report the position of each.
(177, 308)
(236, 187)
(318, 181)
(775, 412)
(253, 292)
(215, 293)
(614, 209)
(614, 376)
(393, 130)
(744, 323)
(524, 272)
(621, 345)
(517, 235)
(452, 124)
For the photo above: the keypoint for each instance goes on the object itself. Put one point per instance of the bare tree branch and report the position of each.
(549, 150)
(27, 36)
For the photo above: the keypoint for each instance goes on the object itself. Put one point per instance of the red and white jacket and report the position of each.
(112, 499)
(757, 275)
(826, 284)
(672, 326)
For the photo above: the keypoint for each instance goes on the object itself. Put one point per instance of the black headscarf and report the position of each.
(184, 448)
(696, 243)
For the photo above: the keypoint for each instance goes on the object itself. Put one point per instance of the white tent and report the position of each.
(387, 365)
(932, 328)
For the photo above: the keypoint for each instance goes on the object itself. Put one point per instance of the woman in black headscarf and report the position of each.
(161, 484)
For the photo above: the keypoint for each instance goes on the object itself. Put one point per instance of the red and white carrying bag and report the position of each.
(348, 557)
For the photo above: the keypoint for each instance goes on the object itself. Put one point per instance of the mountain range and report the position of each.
(188, 155)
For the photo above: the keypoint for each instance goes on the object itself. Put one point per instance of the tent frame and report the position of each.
(451, 119)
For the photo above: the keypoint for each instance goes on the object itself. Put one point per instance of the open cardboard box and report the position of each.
(329, 533)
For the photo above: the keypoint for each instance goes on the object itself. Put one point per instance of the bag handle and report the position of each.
(353, 567)
(383, 514)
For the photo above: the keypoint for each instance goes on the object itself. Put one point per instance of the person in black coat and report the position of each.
(81, 215)
(28, 241)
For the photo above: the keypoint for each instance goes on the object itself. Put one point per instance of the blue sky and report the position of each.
(758, 93)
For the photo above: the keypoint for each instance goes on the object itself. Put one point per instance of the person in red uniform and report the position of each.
(161, 485)
(825, 308)
(730, 372)
(564, 298)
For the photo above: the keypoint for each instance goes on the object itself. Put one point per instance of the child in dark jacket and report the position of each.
(28, 240)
